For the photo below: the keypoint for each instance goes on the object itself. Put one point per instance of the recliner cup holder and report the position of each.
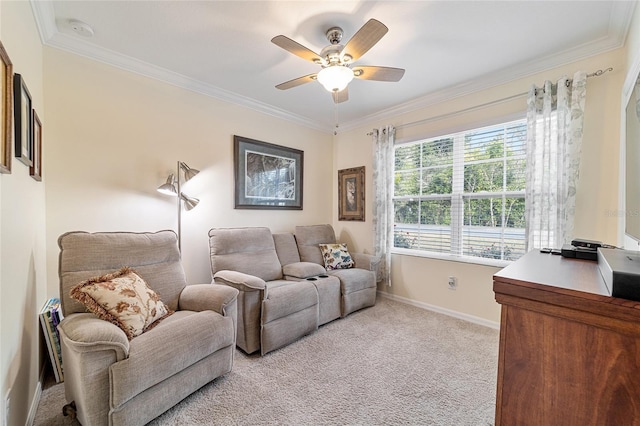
(323, 276)
(311, 279)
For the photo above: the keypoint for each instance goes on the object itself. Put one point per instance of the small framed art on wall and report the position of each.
(22, 121)
(351, 194)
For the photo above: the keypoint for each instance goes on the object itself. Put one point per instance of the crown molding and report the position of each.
(622, 12)
(50, 36)
(45, 19)
(80, 47)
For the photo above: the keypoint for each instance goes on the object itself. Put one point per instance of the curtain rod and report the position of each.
(597, 73)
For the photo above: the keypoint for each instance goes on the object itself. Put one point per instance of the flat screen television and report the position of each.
(632, 163)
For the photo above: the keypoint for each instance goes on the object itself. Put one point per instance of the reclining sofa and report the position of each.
(285, 292)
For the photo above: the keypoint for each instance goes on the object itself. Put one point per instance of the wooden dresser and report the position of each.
(569, 353)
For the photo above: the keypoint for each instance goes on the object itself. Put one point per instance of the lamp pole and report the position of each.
(173, 187)
(179, 209)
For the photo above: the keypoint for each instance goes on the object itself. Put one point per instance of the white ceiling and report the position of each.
(223, 48)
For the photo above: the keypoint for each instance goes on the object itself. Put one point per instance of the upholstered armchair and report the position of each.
(113, 378)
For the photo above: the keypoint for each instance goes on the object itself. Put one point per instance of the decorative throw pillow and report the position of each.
(124, 299)
(336, 256)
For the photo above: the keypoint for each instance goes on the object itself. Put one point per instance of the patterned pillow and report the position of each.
(336, 256)
(124, 299)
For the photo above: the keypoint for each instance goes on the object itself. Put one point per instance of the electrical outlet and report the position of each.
(453, 283)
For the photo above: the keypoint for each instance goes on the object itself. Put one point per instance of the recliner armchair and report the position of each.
(358, 284)
(272, 311)
(116, 381)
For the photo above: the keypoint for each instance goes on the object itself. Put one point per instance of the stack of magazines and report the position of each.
(50, 317)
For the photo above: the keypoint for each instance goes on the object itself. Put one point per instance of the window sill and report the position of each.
(452, 258)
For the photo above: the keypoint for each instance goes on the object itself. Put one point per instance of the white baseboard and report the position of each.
(36, 399)
(466, 317)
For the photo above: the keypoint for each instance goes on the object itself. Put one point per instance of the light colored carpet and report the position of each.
(392, 364)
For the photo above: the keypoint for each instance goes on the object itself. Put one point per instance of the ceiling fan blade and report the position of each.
(366, 37)
(341, 96)
(378, 73)
(297, 82)
(296, 48)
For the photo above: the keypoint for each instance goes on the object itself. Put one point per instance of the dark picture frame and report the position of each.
(267, 176)
(36, 165)
(23, 121)
(6, 114)
(351, 194)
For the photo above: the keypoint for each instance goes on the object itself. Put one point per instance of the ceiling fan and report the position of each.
(337, 60)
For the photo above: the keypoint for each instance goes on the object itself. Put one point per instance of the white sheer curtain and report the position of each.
(555, 116)
(383, 140)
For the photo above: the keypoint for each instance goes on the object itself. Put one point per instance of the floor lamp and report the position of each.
(172, 187)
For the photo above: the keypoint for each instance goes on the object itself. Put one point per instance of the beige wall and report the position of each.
(424, 280)
(632, 68)
(114, 136)
(22, 234)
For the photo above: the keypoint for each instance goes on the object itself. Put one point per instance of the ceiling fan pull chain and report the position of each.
(335, 118)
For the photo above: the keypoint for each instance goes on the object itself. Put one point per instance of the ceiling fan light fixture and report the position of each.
(335, 78)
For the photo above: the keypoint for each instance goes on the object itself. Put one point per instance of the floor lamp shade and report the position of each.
(169, 188)
(189, 202)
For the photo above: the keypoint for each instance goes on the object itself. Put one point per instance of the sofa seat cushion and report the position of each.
(176, 343)
(354, 279)
(284, 298)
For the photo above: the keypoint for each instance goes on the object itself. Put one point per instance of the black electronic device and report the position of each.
(574, 252)
(580, 242)
(568, 251)
(620, 270)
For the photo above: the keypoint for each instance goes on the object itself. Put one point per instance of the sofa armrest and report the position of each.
(203, 297)
(302, 270)
(368, 262)
(84, 332)
(239, 280)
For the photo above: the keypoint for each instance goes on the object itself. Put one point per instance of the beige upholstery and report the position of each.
(114, 381)
(357, 285)
(285, 291)
(272, 312)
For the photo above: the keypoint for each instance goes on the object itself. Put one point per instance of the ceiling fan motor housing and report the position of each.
(334, 35)
(331, 55)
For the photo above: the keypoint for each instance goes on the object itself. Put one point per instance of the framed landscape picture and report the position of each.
(351, 194)
(6, 113)
(267, 176)
(22, 121)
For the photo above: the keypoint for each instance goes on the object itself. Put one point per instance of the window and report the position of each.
(463, 194)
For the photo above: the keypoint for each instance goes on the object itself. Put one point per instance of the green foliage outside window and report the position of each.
(428, 182)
